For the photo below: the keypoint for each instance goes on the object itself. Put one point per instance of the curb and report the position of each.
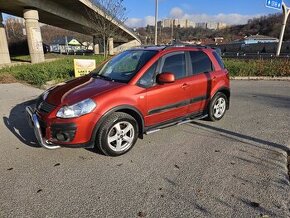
(268, 78)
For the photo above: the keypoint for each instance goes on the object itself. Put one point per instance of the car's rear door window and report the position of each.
(200, 62)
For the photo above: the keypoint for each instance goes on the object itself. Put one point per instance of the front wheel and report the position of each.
(217, 107)
(118, 134)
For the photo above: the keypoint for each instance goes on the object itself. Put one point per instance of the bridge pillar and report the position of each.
(96, 46)
(33, 33)
(111, 46)
(4, 52)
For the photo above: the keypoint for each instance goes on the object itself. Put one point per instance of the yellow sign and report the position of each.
(84, 66)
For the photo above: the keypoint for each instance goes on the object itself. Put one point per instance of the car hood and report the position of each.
(79, 89)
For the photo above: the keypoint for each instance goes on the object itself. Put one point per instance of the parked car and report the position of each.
(137, 92)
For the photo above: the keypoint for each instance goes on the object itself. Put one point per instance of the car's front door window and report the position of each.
(176, 64)
(148, 78)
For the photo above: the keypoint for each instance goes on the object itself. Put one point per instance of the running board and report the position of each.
(174, 124)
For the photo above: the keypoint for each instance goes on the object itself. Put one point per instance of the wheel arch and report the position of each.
(227, 92)
(131, 110)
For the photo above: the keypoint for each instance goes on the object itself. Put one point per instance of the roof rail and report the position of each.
(148, 46)
(185, 45)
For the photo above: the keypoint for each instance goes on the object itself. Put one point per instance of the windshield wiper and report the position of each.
(103, 77)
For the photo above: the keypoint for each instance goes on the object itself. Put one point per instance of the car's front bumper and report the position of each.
(34, 123)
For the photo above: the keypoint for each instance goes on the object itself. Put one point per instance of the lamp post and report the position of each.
(156, 18)
(286, 12)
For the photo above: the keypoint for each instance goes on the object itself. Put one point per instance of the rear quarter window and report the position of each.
(219, 60)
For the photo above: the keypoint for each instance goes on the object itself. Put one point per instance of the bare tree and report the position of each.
(14, 28)
(109, 15)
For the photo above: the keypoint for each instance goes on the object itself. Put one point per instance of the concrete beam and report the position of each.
(67, 14)
(4, 51)
(111, 46)
(34, 38)
(96, 46)
(125, 46)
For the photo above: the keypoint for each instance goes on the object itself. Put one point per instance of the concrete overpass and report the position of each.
(67, 14)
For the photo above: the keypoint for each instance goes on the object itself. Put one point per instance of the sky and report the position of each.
(142, 12)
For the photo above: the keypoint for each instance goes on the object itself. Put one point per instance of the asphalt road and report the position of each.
(232, 168)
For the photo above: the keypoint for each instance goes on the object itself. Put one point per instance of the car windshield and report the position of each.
(124, 66)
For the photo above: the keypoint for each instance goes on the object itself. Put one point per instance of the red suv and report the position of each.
(137, 92)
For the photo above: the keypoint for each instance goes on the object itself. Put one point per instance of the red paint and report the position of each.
(108, 95)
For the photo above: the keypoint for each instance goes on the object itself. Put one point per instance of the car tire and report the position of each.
(217, 107)
(117, 134)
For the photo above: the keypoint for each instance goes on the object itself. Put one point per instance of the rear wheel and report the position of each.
(118, 134)
(217, 107)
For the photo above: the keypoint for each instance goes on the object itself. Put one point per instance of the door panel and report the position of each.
(168, 101)
(199, 91)
(200, 82)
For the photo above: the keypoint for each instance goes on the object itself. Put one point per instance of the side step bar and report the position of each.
(176, 123)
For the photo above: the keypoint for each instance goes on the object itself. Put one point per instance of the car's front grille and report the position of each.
(44, 107)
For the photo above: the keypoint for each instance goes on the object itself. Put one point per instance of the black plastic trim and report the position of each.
(63, 126)
(197, 99)
(121, 107)
(227, 90)
(177, 105)
(168, 107)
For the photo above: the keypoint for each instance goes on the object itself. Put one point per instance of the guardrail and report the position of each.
(241, 55)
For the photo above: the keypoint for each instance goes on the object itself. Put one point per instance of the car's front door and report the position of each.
(168, 101)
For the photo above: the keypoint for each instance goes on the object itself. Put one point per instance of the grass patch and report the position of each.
(63, 69)
(266, 67)
(39, 74)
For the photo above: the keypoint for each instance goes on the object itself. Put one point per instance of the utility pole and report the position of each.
(172, 30)
(286, 12)
(156, 18)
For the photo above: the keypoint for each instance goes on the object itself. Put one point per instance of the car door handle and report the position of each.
(185, 85)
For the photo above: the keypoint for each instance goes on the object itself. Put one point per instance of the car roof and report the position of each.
(170, 47)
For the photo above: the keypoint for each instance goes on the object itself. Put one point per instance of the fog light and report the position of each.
(62, 137)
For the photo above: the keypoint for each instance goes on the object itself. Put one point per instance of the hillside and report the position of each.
(266, 25)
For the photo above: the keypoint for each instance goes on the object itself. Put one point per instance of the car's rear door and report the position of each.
(200, 81)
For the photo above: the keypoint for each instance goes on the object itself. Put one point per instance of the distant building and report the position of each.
(218, 40)
(182, 23)
(88, 45)
(66, 45)
(212, 25)
(179, 23)
(190, 23)
(166, 23)
(201, 25)
(258, 39)
(186, 23)
(221, 25)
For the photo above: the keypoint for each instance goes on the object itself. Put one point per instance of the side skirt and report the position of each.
(176, 121)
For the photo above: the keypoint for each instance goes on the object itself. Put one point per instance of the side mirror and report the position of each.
(165, 78)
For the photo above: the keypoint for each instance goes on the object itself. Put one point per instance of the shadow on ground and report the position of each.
(241, 137)
(16, 59)
(18, 125)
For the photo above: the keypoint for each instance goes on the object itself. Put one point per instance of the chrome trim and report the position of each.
(34, 123)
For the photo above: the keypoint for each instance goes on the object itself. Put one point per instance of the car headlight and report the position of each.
(77, 110)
